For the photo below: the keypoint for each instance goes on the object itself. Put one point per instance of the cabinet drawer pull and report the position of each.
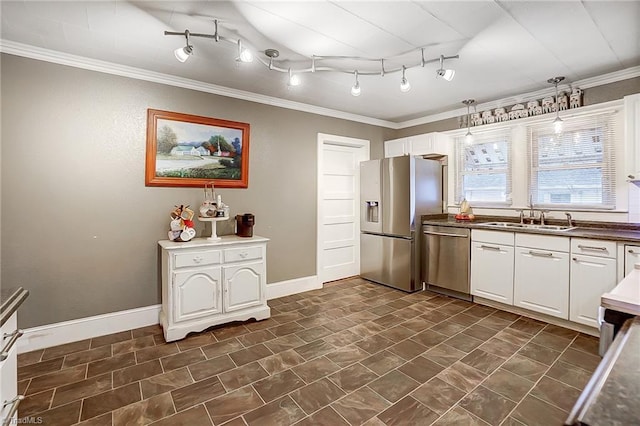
(540, 254)
(243, 254)
(581, 247)
(14, 408)
(482, 246)
(7, 347)
(632, 252)
(198, 259)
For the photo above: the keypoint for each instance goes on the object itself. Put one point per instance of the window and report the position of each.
(576, 167)
(484, 169)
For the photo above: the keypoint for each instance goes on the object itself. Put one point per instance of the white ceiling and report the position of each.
(506, 47)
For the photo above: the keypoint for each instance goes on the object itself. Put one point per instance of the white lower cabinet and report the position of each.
(593, 273)
(541, 277)
(492, 260)
(631, 257)
(206, 283)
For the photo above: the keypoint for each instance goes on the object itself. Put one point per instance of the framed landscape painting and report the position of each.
(189, 150)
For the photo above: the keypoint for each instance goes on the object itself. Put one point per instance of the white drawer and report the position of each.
(496, 237)
(544, 242)
(597, 248)
(196, 258)
(242, 253)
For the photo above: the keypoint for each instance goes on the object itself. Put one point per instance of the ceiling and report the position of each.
(506, 47)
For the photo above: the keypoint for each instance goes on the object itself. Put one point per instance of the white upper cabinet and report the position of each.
(632, 135)
(429, 143)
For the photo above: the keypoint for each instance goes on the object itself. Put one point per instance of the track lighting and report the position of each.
(183, 53)
(468, 138)
(355, 90)
(557, 123)
(244, 54)
(404, 83)
(447, 74)
(294, 80)
(316, 65)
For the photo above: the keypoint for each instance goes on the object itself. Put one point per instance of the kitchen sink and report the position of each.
(514, 225)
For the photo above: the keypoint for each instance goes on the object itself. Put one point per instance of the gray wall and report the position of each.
(79, 228)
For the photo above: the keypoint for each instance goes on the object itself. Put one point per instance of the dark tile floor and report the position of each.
(352, 353)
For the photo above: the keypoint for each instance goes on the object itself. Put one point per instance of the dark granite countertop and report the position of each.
(612, 396)
(10, 300)
(592, 230)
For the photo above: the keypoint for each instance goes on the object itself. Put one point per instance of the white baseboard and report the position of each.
(85, 328)
(296, 285)
(60, 333)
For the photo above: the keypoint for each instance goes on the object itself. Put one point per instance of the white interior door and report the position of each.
(338, 205)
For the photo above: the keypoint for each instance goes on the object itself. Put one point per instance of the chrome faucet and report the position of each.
(569, 219)
(542, 212)
(521, 215)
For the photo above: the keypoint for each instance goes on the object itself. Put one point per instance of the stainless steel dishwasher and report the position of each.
(446, 253)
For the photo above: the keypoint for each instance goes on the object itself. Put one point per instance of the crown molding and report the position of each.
(586, 83)
(56, 57)
(47, 55)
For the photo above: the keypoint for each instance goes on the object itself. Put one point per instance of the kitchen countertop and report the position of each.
(612, 396)
(11, 299)
(608, 231)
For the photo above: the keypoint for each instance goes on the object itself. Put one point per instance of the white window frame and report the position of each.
(606, 120)
(502, 134)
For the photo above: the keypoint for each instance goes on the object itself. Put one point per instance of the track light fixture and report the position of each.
(404, 83)
(245, 55)
(557, 123)
(294, 80)
(447, 74)
(355, 90)
(183, 53)
(468, 138)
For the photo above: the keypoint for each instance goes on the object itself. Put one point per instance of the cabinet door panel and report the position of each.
(197, 293)
(590, 278)
(631, 257)
(395, 148)
(242, 284)
(541, 281)
(492, 272)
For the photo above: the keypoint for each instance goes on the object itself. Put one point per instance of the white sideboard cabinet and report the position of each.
(206, 283)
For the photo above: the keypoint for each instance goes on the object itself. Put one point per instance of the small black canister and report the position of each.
(244, 225)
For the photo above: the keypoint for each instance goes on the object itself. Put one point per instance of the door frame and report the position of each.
(344, 141)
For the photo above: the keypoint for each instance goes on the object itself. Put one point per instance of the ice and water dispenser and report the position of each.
(372, 211)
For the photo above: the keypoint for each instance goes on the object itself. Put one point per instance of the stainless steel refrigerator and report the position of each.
(394, 193)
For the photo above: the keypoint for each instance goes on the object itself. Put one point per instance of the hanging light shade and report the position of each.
(557, 123)
(468, 138)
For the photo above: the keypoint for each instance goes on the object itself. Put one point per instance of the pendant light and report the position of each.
(468, 138)
(557, 123)
(294, 80)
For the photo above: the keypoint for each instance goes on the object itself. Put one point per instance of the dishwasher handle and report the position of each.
(442, 234)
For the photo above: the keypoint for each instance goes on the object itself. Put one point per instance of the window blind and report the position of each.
(484, 168)
(576, 168)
